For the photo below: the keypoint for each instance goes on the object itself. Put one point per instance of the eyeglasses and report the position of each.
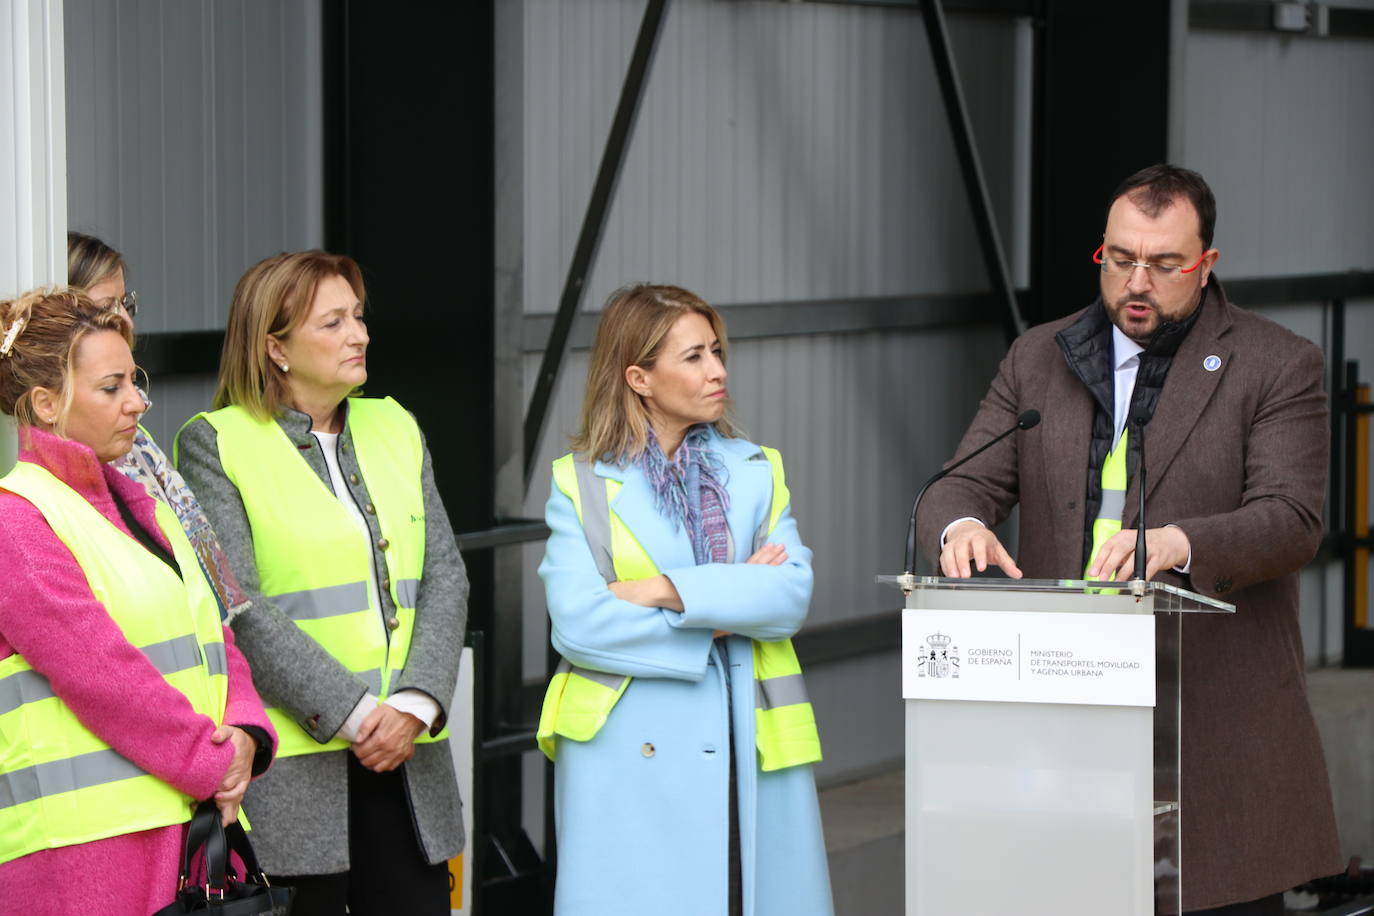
(129, 300)
(1124, 267)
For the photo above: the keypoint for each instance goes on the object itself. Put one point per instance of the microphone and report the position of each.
(1027, 420)
(1139, 417)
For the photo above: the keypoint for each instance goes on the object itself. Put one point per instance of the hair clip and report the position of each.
(15, 327)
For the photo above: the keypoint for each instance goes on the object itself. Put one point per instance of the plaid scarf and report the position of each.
(689, 491)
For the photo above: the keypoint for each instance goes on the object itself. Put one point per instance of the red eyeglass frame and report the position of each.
(1097, 259)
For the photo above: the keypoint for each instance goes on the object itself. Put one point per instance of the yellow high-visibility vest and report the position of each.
(578, 700)
(314, 562)
(1113, 505)
(60, 784)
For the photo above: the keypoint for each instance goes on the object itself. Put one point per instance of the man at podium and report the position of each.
(1232, 408)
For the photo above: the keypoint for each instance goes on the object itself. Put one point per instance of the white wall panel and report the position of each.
(33, 190)
(782, 151)
(195, 142)
(1281, 128)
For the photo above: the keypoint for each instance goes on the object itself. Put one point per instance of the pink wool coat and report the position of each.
(49, 615)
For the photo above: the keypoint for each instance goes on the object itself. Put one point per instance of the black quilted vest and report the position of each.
(1087, 347)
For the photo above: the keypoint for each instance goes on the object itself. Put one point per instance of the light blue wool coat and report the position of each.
(642, 808)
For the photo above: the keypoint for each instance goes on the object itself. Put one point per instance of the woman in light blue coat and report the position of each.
(666, 807)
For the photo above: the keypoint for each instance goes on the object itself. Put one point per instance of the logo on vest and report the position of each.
(939, 659)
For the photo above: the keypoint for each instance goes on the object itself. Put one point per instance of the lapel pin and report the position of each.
(1212, 363)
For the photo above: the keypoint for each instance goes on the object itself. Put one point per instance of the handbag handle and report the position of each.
(207, 832)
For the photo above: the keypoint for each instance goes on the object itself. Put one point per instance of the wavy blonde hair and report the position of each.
(44, 328)
(271, 300)
(614, 424)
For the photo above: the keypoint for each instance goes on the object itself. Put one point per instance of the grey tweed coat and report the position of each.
(299, 808)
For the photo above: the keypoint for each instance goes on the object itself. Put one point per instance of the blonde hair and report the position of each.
(41, 331)
(614, 424)
(271, 300)
(89, 260)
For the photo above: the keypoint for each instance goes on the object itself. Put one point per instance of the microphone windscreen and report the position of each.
(1028, 419)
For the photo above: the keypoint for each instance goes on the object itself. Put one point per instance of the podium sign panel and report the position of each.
(1030, 657)
(1042, 747)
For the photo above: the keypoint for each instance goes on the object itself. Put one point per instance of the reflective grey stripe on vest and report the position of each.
(784, 690)
(1113, 505)
(169, 657)
(316, 603)
(23, 687)
(596, 518)
(407, 592)
(58, 776)
(612, 681)
(216, 662)
(174, 655)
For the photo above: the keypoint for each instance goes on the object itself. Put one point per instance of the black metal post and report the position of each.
(980, 203)
(1355, 651)
(593, 223)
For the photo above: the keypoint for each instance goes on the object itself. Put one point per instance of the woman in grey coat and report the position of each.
(327, 508)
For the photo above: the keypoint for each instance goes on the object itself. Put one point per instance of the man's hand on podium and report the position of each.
(971, 544)
(1165, 548)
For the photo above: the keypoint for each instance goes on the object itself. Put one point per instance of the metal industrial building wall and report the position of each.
(1281, 128)
(194, 147)
(783, 153)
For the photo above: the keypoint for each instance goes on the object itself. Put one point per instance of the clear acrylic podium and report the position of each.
(1030, 807)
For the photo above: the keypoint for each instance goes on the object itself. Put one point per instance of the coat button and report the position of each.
(369, 509)
(386, 583)
(313, 724)
(383, 543)
(353, 479)
(392, 623)
(647, 750)
(1223, 585)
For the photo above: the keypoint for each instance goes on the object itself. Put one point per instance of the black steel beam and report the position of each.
(966, 148)
(1352, 284)
(164, 353)
(179, 352)
(593, 224)
(1248, 16)
(991, 7)
(505, 533)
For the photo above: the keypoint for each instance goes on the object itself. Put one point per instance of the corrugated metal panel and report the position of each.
(1281, 128)
(175, 400)
(193, 142)
(782, 150)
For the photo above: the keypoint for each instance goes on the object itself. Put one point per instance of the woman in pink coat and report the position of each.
(67, 377)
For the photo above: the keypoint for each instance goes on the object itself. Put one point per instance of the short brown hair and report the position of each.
(1157, 187)
(89, 260)
(48, 326)
(271, 300)
(614, 424)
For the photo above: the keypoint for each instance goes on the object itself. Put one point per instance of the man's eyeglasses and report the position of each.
(1124, 267)
(129, 300)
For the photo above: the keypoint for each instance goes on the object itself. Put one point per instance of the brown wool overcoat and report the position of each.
(1237, 458)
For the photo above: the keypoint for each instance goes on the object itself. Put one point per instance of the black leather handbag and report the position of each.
(223, 891)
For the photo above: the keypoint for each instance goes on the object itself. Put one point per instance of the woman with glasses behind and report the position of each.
(97, 268)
